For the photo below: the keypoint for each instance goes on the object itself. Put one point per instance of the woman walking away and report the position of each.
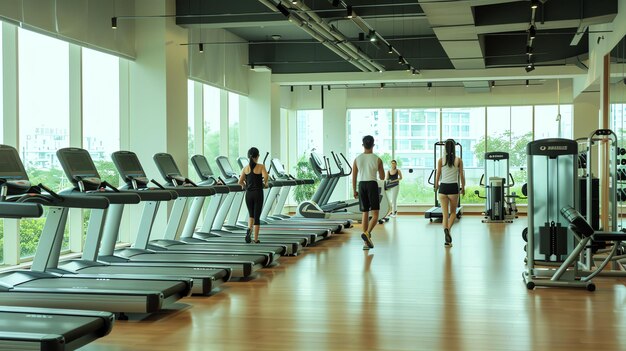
(449, 170)
(254, 179)
(394, 176)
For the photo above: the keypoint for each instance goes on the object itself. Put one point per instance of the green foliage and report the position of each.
(386, 158)
(516, 148)
(212, 147)
(305, 171)
(108, 172)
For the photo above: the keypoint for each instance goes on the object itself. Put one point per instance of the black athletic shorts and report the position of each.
(368, 196)
(449, 188)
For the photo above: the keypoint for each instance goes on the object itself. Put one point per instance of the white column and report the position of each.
(76, 136)
(10, 121)
(257, 121)
(158, 89)
(335, 134)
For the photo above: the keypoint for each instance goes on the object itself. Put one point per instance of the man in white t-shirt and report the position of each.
(365, 167)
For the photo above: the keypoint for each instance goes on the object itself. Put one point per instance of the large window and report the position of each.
(44, 119)
(101, 117)
(309, 133)
(233, 126)
(416, 132)
(477, 129)
(211, 113)
(101, 106)
(509, 129)
(467, 127)
(547, 124)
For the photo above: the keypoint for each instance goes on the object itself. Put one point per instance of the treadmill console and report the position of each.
(13, 176)
(79, 168)
(130, 169)
(201, 165)
(227, 170)
(168, 168)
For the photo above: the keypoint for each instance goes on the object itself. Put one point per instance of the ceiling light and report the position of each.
(294, 2)
(329, 87)
(291, 89)
(534, 4)
(382, 85)
(429, 85)
(532, 32)
(530, 67)
(414, 71)
(349, 12)
(114, 22)
(408, 68)
(527, 83)
(493, 83)
(373, 36)
(400, 60)
(252, 66)
(310, 87)
(201, 47)
(390, 51)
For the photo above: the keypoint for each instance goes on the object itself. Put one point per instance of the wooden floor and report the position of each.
(408, 293)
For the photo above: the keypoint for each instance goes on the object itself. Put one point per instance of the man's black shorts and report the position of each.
(368, 196)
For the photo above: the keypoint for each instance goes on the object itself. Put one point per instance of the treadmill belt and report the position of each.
(70, 327)
(168, 287)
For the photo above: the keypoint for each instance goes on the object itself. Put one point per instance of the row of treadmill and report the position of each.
(52, 305)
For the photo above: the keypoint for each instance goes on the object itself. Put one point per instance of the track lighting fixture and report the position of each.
(532, 32)
(294, 2)
(114, 22)
(349, 12)
(527, 83)
(493, 84)
(530, 67)
(252, 66)
(373, 36)
(291, 89)
(329, 87)
(400, 60)
(390, 49)
(382, 86)
(534, 4)
(414, 72)
(408, 68)
(429, 85)
(201, 47)
(310, 87)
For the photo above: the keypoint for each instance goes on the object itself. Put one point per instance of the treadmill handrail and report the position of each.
(20, 210)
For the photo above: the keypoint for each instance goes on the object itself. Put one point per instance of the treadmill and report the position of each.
(81, 171)
(30, 328)
(204, 281)
(218, 209)
(435, 212)
(280, 197)
(270, 197)
(171, 173)
(38, 288)
(230, 177)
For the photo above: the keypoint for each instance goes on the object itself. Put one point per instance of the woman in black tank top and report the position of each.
(254, 179)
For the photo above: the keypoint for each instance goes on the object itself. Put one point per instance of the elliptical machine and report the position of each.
(500, 206)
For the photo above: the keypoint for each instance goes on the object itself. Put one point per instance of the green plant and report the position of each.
(305, 171)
